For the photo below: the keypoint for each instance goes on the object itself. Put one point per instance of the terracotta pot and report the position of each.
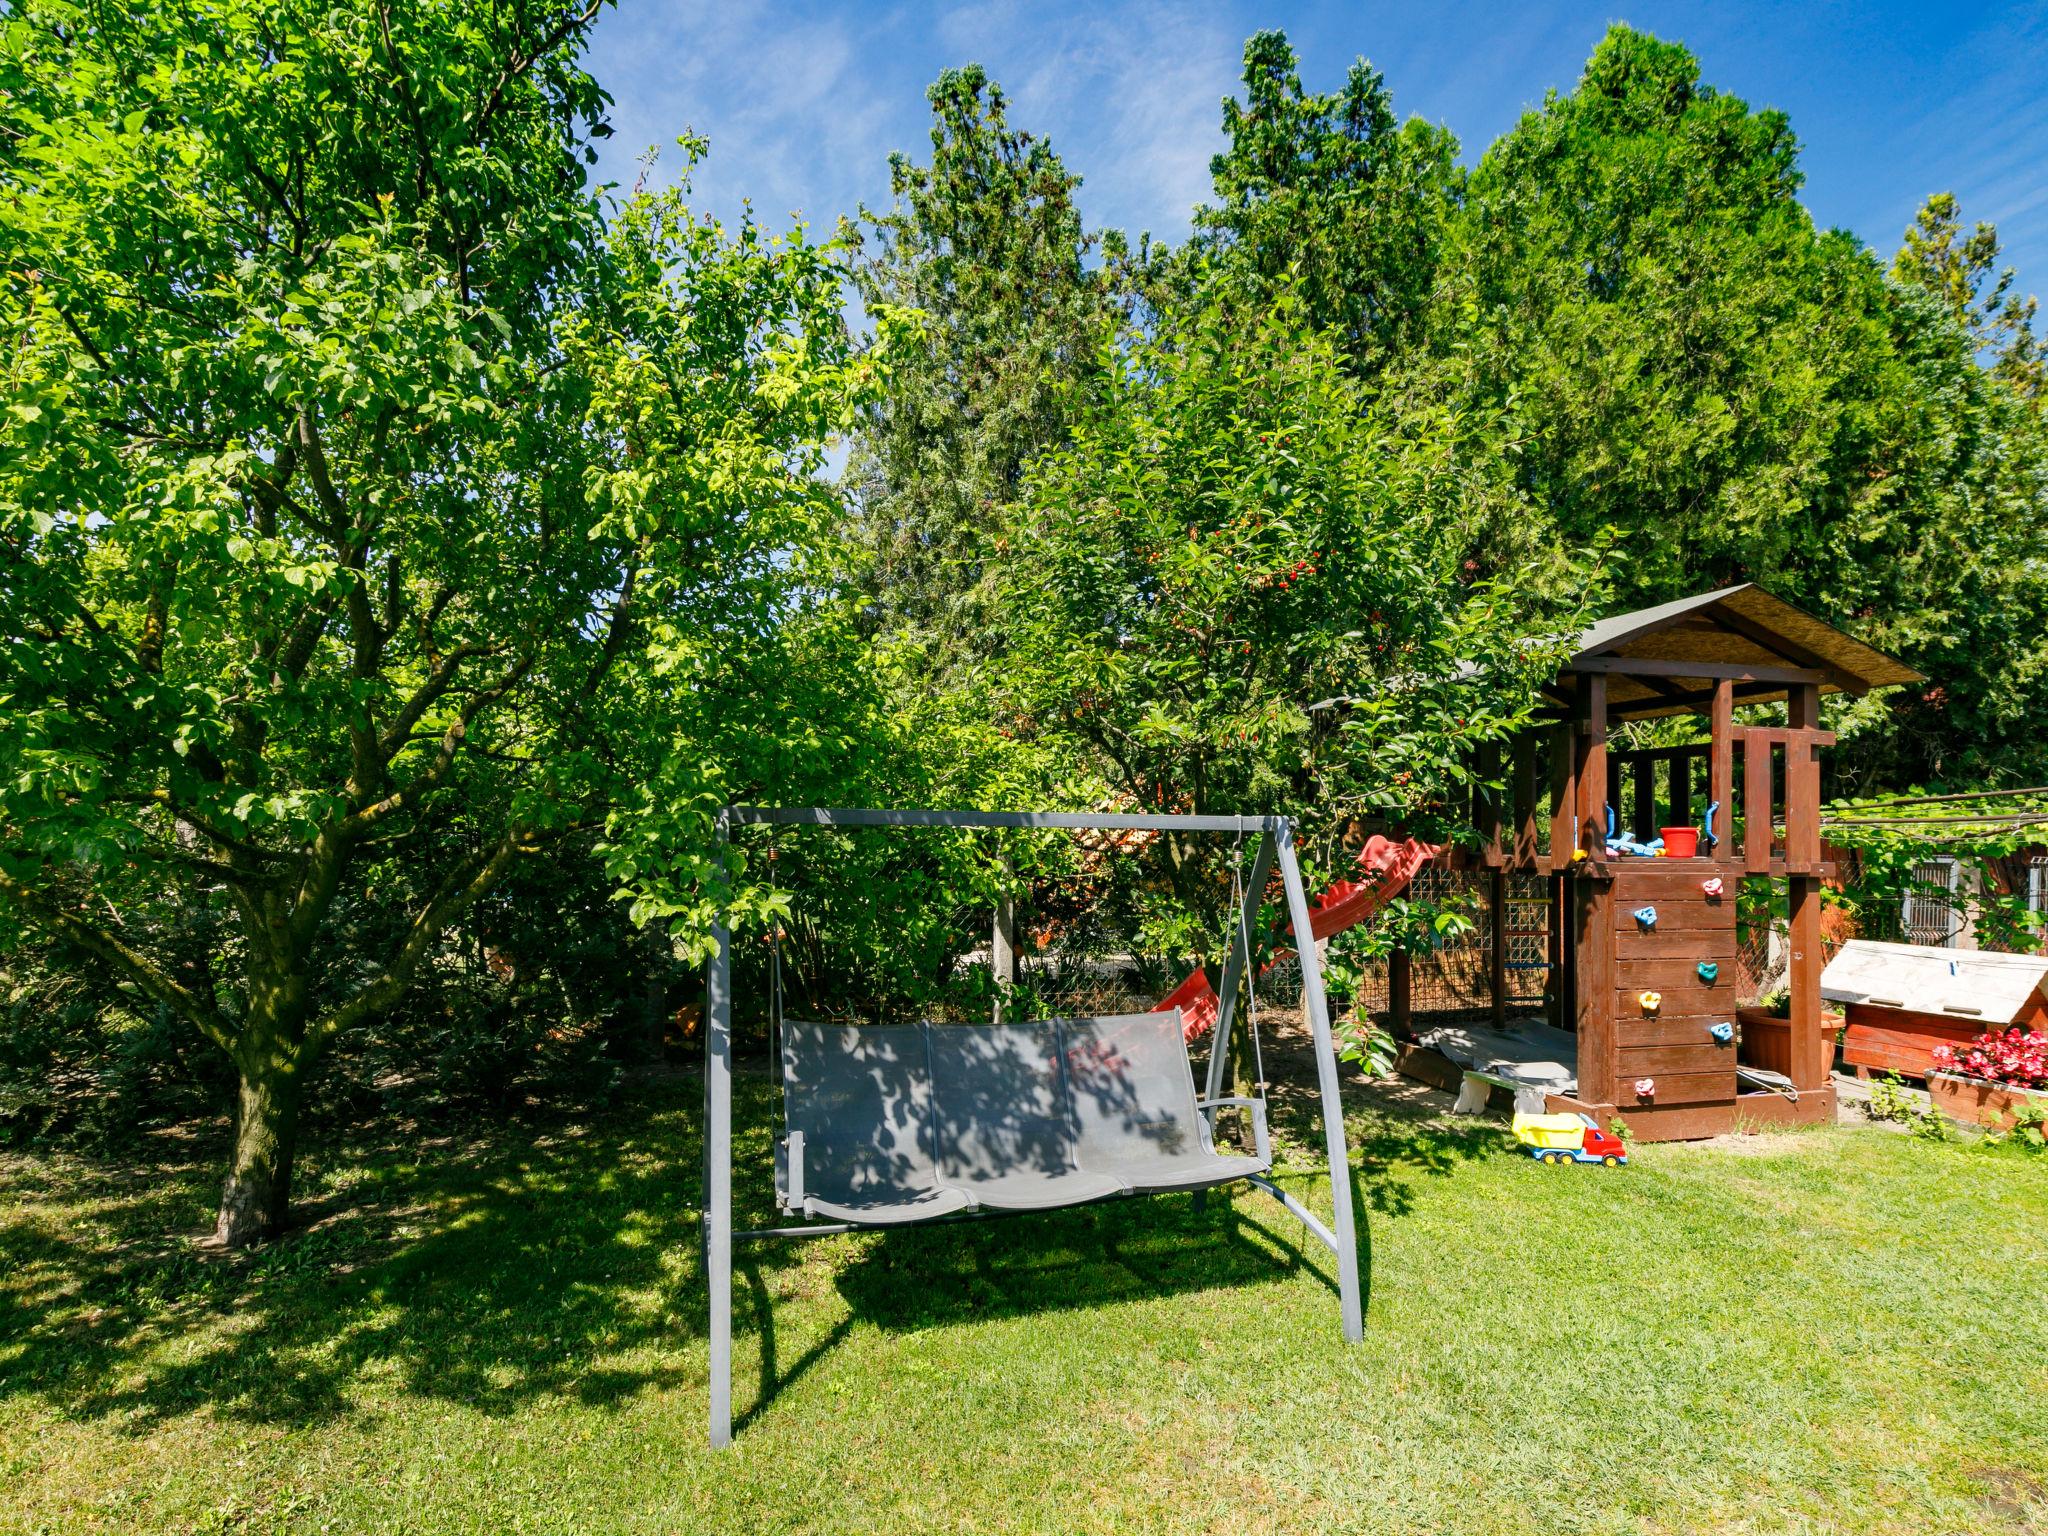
(1974, 1101)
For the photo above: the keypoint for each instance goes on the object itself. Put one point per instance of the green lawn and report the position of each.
(1839, 1330)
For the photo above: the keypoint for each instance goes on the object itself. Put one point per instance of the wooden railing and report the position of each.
(1772, 786)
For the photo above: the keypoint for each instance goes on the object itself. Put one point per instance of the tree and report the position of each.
(1963, 273)
(1327, 193)
(371, 502)
(986, 244)
(1239, 588)
(1657, 340)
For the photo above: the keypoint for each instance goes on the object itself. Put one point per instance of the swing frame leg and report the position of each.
(1317, 1007)
(718, 1170)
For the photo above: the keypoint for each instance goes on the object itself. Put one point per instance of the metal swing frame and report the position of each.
(1276, 842)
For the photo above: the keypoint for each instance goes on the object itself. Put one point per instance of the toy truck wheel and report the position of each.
(1611, 1160)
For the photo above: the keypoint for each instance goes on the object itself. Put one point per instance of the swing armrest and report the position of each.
(1258, 1109)
(789, 1160)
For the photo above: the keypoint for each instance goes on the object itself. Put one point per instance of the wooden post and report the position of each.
(1758, 814)
(1497, 962)
(1400, 995)
(1591, 765)
(1643, 820)
(1812, 1051)
(1721, 766)
(1486, 805)
(1564, 795)
(1802, 782)
(1523, 759)
(1593, 984)
(1003, 950)
(1558, 951)
(1812, 1056)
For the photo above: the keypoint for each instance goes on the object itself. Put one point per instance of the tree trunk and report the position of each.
(257, 1195)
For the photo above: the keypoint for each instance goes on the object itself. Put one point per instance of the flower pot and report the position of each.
(1681, 842)
(1977, 1101)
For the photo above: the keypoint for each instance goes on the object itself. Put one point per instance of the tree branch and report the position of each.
(522, 63)
(438, 682)
(353, 826)
(470, 879)
(138, 967)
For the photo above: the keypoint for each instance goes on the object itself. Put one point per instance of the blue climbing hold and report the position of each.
(1722, 1033)
(1647, 916)
(1708, 971)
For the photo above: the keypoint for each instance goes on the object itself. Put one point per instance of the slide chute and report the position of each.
(1385, 866)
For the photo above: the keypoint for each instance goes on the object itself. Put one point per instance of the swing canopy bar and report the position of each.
(888, 1125)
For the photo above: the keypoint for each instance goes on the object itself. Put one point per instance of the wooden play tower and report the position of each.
(1625, 926)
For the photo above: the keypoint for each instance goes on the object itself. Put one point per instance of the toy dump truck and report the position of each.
(1569, 1139)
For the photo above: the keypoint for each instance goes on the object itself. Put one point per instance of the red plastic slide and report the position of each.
(1387, 867)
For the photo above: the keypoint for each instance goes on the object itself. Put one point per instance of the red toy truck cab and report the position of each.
(1602, 1145)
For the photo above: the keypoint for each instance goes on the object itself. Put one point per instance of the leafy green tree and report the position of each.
(1963, 272)
(986, 244)
(1657, 340)
(1327, 193)
(1239, 588)
(375, 512)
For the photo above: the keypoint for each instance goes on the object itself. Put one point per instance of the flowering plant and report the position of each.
(2017, 1056)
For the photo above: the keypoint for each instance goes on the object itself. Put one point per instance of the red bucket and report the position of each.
(1681, 842)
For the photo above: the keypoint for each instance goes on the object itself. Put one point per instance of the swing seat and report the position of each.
(891, 1124)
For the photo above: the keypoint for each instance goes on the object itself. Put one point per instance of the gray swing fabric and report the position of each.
(1134, 1105)
(902, 1123)
(860, 1100)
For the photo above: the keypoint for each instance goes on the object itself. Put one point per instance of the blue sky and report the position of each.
(803, 101)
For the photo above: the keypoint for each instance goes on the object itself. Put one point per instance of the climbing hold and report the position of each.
(1708, 971)
(1647, 916)
(1646, 1087)
(1712, 887)
(1651, 1001)
(1722, 1033)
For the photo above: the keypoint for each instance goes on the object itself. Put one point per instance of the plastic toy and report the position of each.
(1712, 887)
(1651, 1001)
(1708, 970)
(1564, 1139)
(1619, 847)
(1722, 1033)
(1647, 916)
(1707, 833)
(1680, 842)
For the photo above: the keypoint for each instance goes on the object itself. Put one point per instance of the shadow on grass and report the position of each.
(557, 1260)
(913, 1278)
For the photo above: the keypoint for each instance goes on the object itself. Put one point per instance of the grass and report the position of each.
(1836, 1330)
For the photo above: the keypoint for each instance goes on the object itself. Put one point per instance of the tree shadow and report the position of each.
(945, 1274)
(487, 1274)
(562, 1259)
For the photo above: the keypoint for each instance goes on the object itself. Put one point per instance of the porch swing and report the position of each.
(898, 1124)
